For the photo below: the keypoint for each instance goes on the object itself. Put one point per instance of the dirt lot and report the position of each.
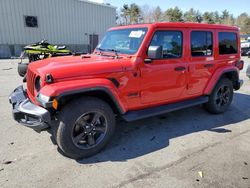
(164, 151)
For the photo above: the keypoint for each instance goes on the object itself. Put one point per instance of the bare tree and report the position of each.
(243, 22)
(157, 14)
(147, 14)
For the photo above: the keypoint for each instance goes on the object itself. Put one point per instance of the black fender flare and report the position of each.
(105, 90)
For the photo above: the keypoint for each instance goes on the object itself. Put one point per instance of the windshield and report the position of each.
(125, 41)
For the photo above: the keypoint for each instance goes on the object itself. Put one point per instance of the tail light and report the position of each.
(240, 64)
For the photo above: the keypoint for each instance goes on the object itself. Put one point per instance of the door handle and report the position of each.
(208, 65)
(180, 68)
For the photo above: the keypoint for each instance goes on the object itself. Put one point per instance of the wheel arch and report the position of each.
(232, 74)
(98, 92)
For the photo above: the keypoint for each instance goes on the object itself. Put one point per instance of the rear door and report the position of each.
(164, 80)
(201, 60)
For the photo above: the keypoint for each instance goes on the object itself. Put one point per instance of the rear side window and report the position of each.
(228, 43)
(201, 43)
(171, 42)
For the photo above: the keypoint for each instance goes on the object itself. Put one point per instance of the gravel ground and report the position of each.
(164, 151)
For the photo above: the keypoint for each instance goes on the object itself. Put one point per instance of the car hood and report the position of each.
(76, 66)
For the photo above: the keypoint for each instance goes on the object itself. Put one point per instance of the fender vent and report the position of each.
(115, 82)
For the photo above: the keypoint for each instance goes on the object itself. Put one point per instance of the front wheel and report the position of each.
(86, 126)
(221, 97)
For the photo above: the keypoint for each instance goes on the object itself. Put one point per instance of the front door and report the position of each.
(164, 80)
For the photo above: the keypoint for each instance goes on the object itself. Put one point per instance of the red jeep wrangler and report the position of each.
(137, 71)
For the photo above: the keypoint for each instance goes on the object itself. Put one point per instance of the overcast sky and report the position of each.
(233, 6)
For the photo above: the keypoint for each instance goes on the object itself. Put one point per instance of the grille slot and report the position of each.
(31, 81)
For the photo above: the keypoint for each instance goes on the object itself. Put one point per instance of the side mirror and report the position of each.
(155, 52)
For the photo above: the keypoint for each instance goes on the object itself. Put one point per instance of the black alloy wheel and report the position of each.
(89, 130)
(86, 125)
(221, 97)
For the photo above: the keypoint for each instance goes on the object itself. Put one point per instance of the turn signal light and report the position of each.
(55, 104)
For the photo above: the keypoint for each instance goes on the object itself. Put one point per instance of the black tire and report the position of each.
(22, 69)
(71, 120)
(221, 97)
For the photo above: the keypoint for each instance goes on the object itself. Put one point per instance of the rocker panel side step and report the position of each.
(149, 112)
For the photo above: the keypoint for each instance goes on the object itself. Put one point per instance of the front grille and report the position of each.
(30, 81)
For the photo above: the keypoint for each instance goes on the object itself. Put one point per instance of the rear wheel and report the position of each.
(221, 97)
(85, 127)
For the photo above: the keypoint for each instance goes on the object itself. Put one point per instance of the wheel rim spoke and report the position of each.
(79, 137)
(220, 102)
(100, 129)
(223, 96)
(89, 130)
(81, 121)
(227, 92)
(95, 119)
(91, 140)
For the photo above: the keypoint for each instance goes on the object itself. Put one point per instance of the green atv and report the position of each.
(38, 51)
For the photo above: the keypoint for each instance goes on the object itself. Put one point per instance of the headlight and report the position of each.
(43, 98)
(46, 101)
(38, 83)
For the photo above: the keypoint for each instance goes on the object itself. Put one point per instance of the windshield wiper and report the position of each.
(101, 49)
(114, 50)
(109, 49)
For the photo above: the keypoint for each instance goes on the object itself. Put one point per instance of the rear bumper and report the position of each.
(27, 113)
(238, 84)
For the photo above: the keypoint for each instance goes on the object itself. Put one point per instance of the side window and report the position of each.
(201, 43)
(171, 42)
(228, 43)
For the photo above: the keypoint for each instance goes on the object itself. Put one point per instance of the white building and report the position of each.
(79, 24)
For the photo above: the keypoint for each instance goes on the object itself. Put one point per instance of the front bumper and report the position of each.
(27, 113)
